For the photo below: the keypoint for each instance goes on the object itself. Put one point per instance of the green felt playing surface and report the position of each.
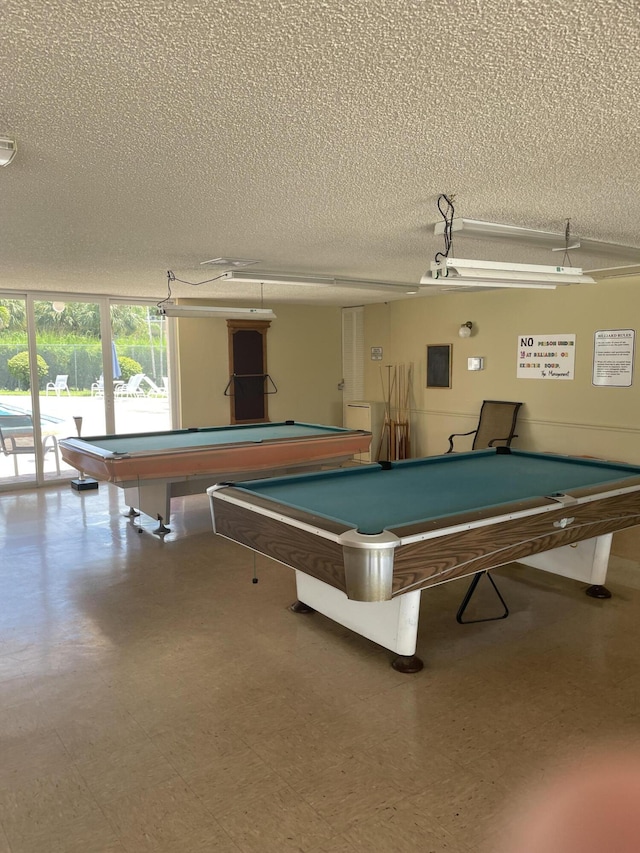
(373, 499)
(212, 436)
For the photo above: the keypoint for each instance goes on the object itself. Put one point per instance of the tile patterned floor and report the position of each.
(152, 698)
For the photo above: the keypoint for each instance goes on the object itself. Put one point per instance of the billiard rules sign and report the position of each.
(546, 356)
(613, 352)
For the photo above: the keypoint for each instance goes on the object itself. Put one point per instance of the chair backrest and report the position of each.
(497, 424)
(16, 434)
(61, 381)
(152, 385)
(135, 381)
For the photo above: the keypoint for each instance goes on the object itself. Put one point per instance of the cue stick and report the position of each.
(408, 409)
(397, 448)
(392, 423)
(399, 415)
(385, 426)
(381, 439)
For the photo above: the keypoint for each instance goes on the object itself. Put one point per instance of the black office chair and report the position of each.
(16, 439)
(496, 425)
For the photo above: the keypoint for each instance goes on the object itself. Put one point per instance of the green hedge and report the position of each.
(82, 363)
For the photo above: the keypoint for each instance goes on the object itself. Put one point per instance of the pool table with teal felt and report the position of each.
(153, 467)
(365, 541)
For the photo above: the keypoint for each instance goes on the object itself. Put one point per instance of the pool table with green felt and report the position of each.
(365, 541)
(153, 467)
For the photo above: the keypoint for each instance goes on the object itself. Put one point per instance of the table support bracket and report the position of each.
(162, 528)
(300, 607)
(468, 596)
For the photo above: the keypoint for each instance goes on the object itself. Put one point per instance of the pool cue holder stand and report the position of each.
(82, 483)
(468, 596)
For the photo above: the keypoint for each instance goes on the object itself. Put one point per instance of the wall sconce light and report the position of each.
(8, 150)
(465, 329)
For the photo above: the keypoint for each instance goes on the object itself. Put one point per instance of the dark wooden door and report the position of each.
(248, 368)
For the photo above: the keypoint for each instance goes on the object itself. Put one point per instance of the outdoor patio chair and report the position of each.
(16, 439)
(155, 390)
(496, 425)
(131, 388)
(97, 387)
(58, 386)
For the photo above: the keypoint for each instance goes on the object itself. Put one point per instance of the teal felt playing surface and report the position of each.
(373, 499)
(208, 437)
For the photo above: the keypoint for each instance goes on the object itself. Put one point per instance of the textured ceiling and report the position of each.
(313, 136)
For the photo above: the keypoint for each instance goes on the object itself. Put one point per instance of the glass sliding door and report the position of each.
(69, 355)
(139, 368)
(71, 365)
(17, 430)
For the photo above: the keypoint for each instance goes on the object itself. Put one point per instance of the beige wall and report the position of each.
(303, 358)
(563, 416)
(569, 416)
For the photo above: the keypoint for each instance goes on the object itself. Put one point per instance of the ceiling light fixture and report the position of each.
(615, 272)
(8, 150)
(532, 236)
(229, 262)
(208, 311)
(469, 285)
(448, 273)
(491, 274)
(320, 281)
(386, 286)
(279, 278)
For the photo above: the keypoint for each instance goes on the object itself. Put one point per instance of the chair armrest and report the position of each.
(506, 438)
(455, 434)
(9, 444)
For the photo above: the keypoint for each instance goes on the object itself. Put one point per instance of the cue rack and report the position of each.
(395, 438)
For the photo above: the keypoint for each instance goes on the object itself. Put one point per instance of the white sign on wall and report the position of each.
(613, 351)
(546, 356)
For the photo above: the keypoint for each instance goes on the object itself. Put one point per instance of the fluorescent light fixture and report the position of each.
(320, 281)
(615, 272)
(8, 150)
(229, 262)
(532, 236)
(461, 272)
(279, 278)
(205, 311)
(385, 286)
(479, 284)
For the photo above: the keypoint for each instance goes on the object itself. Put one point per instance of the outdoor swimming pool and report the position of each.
(45, 420)
(57, 414)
